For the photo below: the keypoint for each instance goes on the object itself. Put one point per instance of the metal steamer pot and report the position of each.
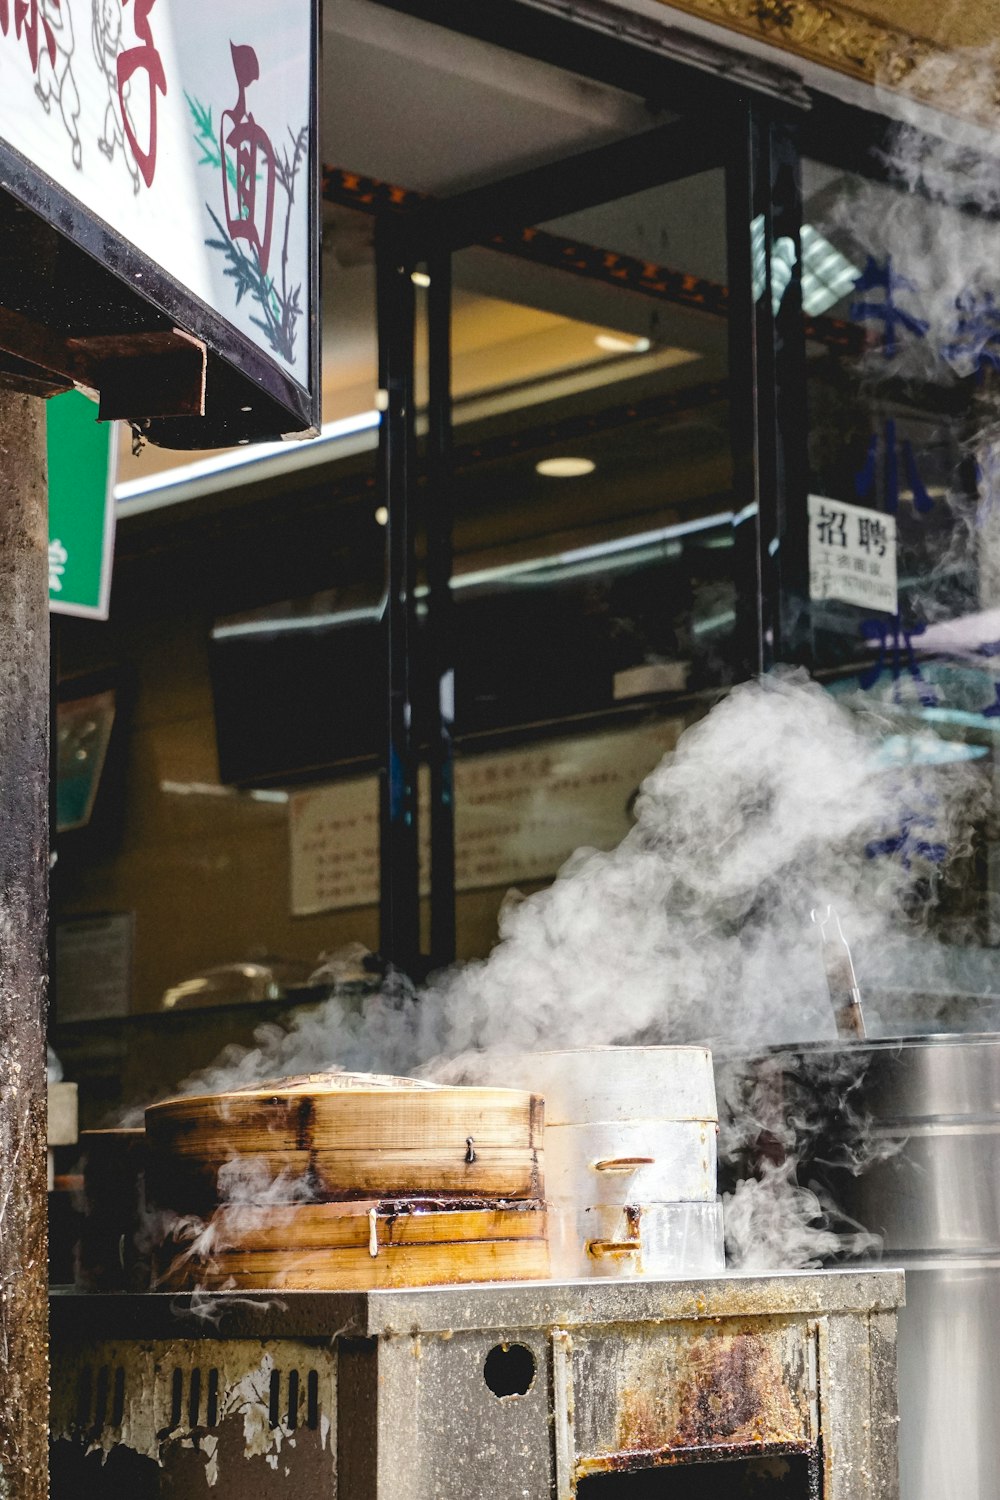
(904, 1137)
(630, 1161)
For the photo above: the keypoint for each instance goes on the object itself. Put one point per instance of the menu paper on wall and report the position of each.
(519, 815)
(93, 964)
(852, 554)
(185, 129)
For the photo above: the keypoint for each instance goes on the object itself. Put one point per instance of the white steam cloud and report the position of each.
(696, 928)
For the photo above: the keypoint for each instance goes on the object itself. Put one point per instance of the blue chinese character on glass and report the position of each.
(975, 340)
(864, 479)
(897, 656)
(879, 276)
(910, 841)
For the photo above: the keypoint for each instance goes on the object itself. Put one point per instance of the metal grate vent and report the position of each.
(289, 1412)
(198, 1405)
(293, 1399)
(100, 1397)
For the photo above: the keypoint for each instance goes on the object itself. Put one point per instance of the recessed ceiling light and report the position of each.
(420, 278)
(621, 343)
(382, 516)
(565, 468)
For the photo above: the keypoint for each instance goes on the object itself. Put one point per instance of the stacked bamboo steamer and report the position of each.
(113, 1251)
(631, 1160)
(348, 1181)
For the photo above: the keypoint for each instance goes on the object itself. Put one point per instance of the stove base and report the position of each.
(784, 1384)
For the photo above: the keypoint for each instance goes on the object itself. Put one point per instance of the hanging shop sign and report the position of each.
(176, 141)
(81, 467)
(852, 554)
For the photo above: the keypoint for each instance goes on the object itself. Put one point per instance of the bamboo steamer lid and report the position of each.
(359, 1246)
(351, 1135)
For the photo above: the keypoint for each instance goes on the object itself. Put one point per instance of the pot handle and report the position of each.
(606, 1249)
(623, 1163)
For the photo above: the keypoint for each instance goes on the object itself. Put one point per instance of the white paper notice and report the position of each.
(852, 554)
(94, 966)
(519, 815)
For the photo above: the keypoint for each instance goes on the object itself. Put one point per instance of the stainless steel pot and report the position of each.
(630, 1160)
(904, 1135)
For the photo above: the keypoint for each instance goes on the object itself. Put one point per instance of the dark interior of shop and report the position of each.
(581, 518)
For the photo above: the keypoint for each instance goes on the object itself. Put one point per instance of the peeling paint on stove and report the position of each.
(210, 1448)
(249, 1397)
(159, 1404)
(623, 1382)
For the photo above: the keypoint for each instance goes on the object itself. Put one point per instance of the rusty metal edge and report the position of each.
(450, 1309)
(636, 1459)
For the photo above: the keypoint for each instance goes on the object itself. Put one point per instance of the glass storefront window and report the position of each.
(901, 471)
(613, 455)
(603, 416)
(233, 839)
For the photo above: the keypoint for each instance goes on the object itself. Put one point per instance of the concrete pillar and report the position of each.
(24, 791)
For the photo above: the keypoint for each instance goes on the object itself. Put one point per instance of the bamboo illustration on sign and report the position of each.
(245, 237)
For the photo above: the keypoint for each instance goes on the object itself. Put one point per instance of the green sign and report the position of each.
(81, 506)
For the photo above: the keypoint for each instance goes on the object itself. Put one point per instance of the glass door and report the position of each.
(575, 513)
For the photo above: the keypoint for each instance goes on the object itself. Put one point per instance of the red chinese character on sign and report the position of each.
(142, 58)
(26, 23)
(253, 151)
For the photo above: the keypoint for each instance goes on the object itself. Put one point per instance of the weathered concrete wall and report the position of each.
(24, 789)
(883, 42)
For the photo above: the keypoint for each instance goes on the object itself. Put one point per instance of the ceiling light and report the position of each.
(382, 515)
(827, 276)
(925, 750)
(565, 468)
(420, 278)
(621, 343)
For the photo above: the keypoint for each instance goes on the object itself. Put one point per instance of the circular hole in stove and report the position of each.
(509, 1370)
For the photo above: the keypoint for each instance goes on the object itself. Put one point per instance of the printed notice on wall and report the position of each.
(852, 554)
(519, 815)
(94, 966)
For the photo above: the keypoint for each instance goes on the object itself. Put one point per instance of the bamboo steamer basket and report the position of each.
(352, 1135)
(359, 1247)
(348, 1182)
